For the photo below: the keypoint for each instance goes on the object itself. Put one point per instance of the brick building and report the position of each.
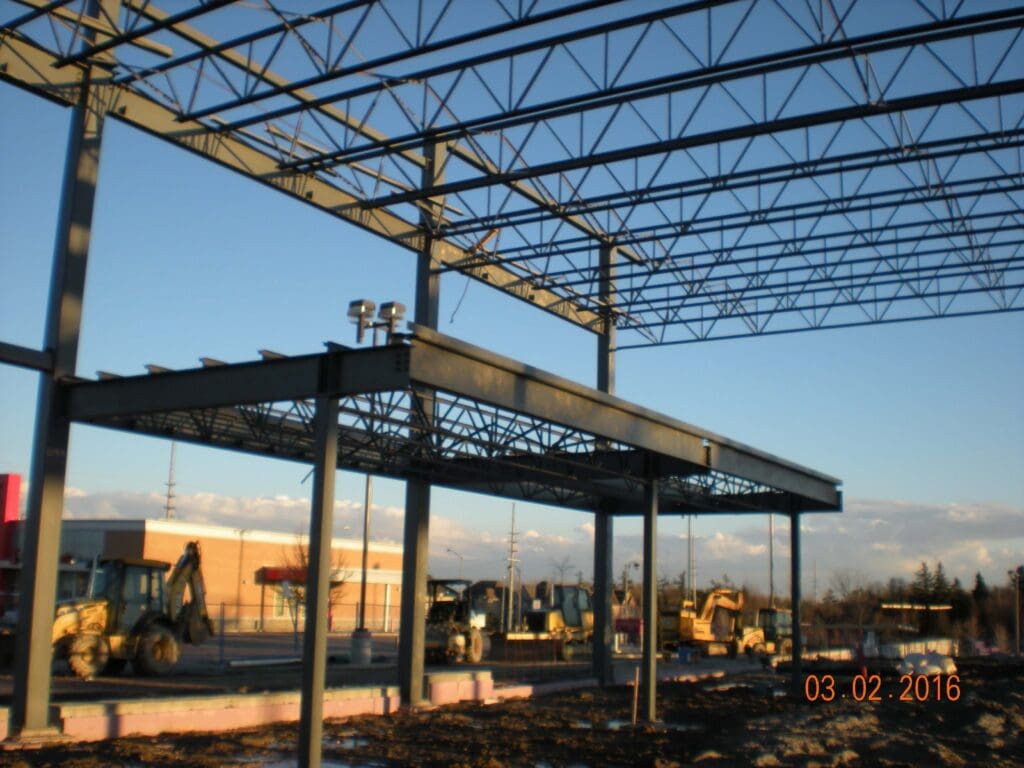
(254, 579)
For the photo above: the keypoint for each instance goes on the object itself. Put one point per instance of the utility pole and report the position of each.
(1016, 577)
(771, 559)
(691, 560)
(513, 559)
(169, 505)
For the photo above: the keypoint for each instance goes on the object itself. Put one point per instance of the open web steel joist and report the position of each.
(488, 424)
(758, 166)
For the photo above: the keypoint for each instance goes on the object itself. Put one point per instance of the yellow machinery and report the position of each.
(132, 614)
(773, 634)
(560, 619)
(456, 618)
(713, 629)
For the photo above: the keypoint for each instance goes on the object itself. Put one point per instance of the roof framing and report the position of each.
(759, 166)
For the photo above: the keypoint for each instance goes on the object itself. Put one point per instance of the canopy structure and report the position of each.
(490, 425)
(656, 173)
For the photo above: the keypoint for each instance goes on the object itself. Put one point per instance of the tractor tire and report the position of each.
(115, 666)
(474, 646)
(786, 647)
(565, 651)
(760, 650)
(157, 653)
(88, 655)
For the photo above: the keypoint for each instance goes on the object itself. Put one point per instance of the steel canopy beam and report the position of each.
(291, 378)
(437, 362)
(495, 379)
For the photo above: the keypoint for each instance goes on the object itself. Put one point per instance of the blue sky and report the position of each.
(924, 420)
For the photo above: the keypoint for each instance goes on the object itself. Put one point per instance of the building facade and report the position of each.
(255, 580)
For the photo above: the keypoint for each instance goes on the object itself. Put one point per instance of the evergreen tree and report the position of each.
(981, 596)
(923, 584)
(961, 602)
(980, 591)
(940, 585)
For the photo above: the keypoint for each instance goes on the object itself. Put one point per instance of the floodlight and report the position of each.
(360, 312)
(391, 314)
(392, 311)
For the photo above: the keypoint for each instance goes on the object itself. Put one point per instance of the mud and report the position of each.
(705, 725)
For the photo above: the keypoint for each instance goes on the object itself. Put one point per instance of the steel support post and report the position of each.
(412, 631)
(33, 653)
(649, 672)
(603, 517)
(318, 583)
(411, 634)
(796, 680)
(603, 629)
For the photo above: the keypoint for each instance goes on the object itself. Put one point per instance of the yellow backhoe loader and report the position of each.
(132, 614)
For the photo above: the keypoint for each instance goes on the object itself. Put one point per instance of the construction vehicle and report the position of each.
(712, 631)
(559, 618)
(132, 614)
(456, 619)
(773, 634)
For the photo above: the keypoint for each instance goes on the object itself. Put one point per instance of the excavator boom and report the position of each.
(192, 619)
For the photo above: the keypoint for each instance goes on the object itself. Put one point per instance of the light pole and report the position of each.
(625, 577)
(1016, 577)
(362, 640)
(460, 560)
(360, 312)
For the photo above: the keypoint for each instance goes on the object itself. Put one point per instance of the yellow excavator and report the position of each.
(133, 614)
(714, 630)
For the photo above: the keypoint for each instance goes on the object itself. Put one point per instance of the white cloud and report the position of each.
(881, 538)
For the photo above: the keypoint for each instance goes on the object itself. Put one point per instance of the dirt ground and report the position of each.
(739, 721)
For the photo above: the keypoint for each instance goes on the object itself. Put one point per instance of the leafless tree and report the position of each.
(297, 560)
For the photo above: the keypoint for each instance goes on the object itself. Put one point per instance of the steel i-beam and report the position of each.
(603, 517)
(318, 583)
(33, 652)
(649, 662)
(411, 640)
(796, 681)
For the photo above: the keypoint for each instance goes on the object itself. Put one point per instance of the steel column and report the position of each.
(318, 583)
(603, 518)
(417, 492)
(603, 629)
(411, 633)
(606, 335)
(33, 652)
(649, 663)
(796, 680)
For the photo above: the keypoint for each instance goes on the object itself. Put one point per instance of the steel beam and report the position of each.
(33, 359)
(603, 519)
(491, 378)
(604, 631)
(336, 373)
(649, 661)
(33, 652)
(411, 641)
(796, 675)
(318, 583)
(717, 137)
(28, 66)
(412, 632)
(373, 65)
(804, 58)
